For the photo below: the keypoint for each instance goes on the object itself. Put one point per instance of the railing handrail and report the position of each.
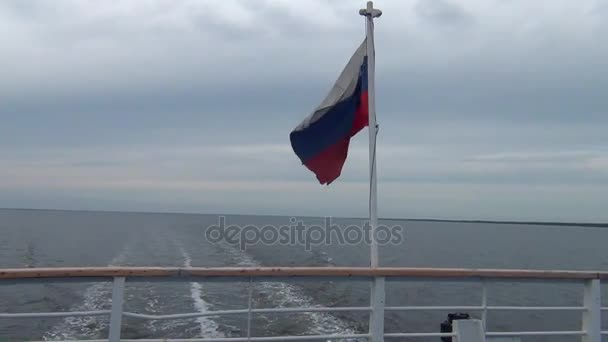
(183, 272)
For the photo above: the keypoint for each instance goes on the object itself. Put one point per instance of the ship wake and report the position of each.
(283, 295)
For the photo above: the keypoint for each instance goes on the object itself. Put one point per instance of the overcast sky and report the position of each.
(487, 109)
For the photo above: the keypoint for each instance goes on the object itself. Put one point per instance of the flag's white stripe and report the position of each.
(343, 88)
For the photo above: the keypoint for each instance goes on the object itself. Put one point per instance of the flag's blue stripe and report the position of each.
(363, 75)
(328, 130)
(334, 125)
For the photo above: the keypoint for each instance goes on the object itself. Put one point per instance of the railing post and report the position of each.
(376, 318)
(249, 306)
(484, 305)
(592, 315)
(118, 289)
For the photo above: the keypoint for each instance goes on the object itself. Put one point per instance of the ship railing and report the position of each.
(591, 309)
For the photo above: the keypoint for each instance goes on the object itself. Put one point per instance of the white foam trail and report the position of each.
(95, 297)
(209, 328)
(288, 295)
(154, 306)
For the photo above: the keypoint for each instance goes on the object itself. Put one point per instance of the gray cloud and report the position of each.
(162, 55)
(442, 12)
(156, 97)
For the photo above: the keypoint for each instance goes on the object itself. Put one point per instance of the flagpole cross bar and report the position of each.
(370, 11)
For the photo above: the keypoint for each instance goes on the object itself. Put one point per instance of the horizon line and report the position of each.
(516, 222)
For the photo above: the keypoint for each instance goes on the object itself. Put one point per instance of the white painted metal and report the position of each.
(245, 311)
(537, 308)
(118, 290)
(432, 308)
(238, 339)
(592, 322)
(486, 308)
(468, 330)
(376, 319)
(484, 305)
(249, 308)
(259, 339)
(289, 310)
(503, 339)
(591, 315)
(369, 13)
(536, 333)
(83, 341)
(54, 314)
(391, 335)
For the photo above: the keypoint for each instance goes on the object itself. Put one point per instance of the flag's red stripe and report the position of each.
(327, 165)
(361, 115)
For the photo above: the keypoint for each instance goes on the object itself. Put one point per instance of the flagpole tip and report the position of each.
(370, 11)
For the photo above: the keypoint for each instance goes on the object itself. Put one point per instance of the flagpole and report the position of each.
(370, 13)
(377, 298)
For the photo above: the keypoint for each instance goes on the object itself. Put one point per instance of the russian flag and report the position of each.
(321, 140)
